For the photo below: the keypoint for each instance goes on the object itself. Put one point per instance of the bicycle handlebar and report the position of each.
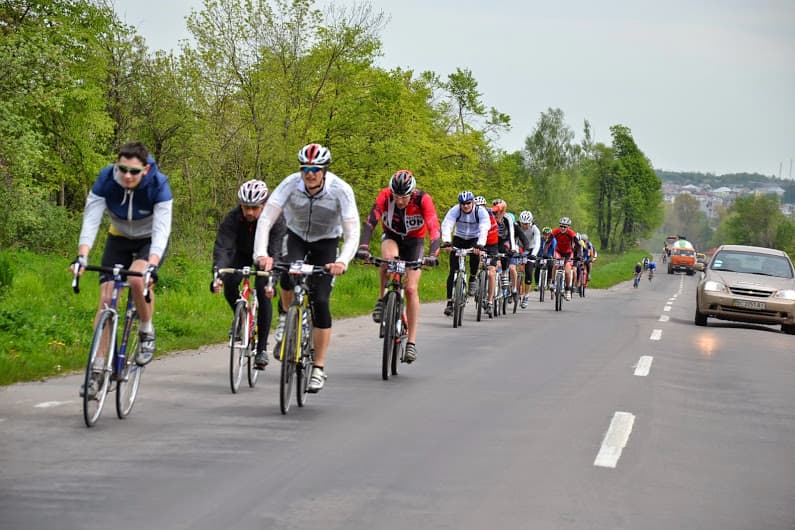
(409, 265)
(115, 271)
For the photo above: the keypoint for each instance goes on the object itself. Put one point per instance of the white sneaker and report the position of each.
(567, 295)
(317, 380)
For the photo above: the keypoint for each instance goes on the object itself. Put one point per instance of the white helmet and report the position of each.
(252, 193)
(584, 237)
(565, 221)
(315, 155)
(480, 200)
(526, 217)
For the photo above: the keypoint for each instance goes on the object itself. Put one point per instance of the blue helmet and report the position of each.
(466, 196)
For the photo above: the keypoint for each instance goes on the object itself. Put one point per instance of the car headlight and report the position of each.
(714, 286)
(786, 294)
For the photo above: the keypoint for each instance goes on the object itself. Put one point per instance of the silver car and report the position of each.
(747, 284)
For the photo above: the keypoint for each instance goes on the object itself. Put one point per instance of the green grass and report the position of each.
(45, 329)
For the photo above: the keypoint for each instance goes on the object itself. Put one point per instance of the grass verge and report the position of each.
(45, 329)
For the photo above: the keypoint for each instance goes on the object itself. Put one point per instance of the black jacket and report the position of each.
(234, 244)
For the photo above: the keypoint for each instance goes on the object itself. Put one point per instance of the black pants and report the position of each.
(316, 253)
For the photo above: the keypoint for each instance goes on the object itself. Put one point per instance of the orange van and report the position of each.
(683, 258)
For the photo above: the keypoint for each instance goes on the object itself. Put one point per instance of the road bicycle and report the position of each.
(582, 277)
(651, 274)
(243, 333)
(460, 285)
(636, 282)
(519, 286)
(394, 326)
(111, 357)
(543, 277)
(297, 349)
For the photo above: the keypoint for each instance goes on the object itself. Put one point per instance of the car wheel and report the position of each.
(789, 329)
(701, 318)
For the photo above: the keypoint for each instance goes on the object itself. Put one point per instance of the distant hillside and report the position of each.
(745, 180)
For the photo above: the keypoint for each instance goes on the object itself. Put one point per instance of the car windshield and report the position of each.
(752, 263)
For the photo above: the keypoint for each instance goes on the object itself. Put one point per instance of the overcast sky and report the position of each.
(704, 86)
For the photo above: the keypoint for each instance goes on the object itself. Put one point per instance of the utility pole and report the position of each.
(790, 169)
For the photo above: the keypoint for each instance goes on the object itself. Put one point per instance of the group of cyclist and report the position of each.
(304, 219)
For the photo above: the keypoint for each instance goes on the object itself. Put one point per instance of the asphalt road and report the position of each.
(617, 413)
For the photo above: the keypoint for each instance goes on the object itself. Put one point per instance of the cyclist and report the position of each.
(511, 239)
(234, 246)
(138, 199)
(638, 274)
(533, 234)
(319, 207)
(471, 224)
(548, 247)
(589, 253)
(645, 263)
(652, 268)
(407, 215)
(567, 249)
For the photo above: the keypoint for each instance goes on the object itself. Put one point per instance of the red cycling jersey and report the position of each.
(564, 239)
(493, 236)
(414, 221)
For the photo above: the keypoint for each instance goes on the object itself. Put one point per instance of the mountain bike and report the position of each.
(460, 285)
(582, 274)
(482, 294)
(519, 286)
(651, 274)
(394, 326)
(243, 334)
(297, 349)
(560, 283)
(112, 358)
(636, 281)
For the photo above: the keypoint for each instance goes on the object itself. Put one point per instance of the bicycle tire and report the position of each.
(235, 350)
(400, 343)
(253, 337)
(92, 405)
(390, 316)
(289, 355)
(542, 284)
(519, 283)
(303, 369)
(130, 374)
(559, 282)
(459, 297)
(483, 284)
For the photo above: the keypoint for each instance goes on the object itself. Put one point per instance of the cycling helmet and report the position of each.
(526, 217)
(466, 196)
(402, 182)
(480, 200)
(252, 193)
(314, 155)
(546, 230)
(584, 237)
(565, 221)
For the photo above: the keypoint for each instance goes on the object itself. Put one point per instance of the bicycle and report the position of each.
(519, 286)
(481, 296)
(560, 283)
(460, 285)
(243, 334)
(636, 282)
(543, 278)
(297, 349)
(651, 274)
(115, 365)
(394, 326)
(582, 274)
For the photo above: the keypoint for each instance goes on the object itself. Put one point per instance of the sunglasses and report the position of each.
(131, 170)
(468, 203)
(311, 169)
(564, 227)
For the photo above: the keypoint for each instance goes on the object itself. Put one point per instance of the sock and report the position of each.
(146, 327)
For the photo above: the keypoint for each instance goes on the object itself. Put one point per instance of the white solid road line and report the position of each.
(615, 440)
(656, 334)
(644, 366)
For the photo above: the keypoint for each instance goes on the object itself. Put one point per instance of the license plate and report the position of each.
(749, 304)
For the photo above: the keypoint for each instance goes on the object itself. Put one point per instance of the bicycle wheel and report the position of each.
(101, 347)
(303, 369)
(390, 317)
(130, 373)
(483, 285)
(236, 347)
(542, 284)
(253, 337)
(459, 298)
(559, 286)
(400, 343)
(290, 358)
(519, 283)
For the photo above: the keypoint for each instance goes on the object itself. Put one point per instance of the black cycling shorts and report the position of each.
(123, 251)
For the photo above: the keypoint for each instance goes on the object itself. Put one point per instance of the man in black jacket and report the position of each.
(234, 247)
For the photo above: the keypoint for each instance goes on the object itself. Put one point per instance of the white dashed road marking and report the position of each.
(615, 440)
(656, 334)
(644, 366)
(48, 404)
(664, 318)
(667, 308)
